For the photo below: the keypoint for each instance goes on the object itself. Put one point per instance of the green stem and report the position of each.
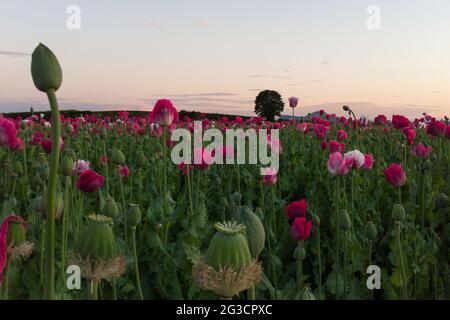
(402, 263)
(65, 218)
(136, 267)
(52, 180)
(93, 290)
(299, 263)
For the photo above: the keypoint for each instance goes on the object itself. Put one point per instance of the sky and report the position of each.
(215, 56)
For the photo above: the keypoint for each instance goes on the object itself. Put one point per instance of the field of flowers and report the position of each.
(349, 193)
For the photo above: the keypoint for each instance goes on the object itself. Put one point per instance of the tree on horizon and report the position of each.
(269, 104)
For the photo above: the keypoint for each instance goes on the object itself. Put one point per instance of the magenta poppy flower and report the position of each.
(400, 122)
(337, 165)
(323, 145)
(336, 146)
(368, 161)
(301, 229)
(297, 209)
(37, 138)
(410, 135)
(422, 151)
(436, 128)
(8, 133)
(380, 119)
(293, 102)
(320, 131)
(395, 175)
(164, 113)
(47, 145)
(124, 171)
(342, 135)
(90, 181)
(123, 115)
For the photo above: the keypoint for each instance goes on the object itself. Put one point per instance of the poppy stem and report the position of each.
(299, 263)
(52, 181)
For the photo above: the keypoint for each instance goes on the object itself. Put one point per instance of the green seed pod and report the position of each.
(41, 160)
(43, 204)
(302, 253)
(228, 248)
(37, 179)
(69, 129)
(76, 147)
(398, 213)
(70, 153)
(110, 208)
(97, 239)
(44, 172)
(45, 69)
(117, 157)
(427, 165)
(67, 166)
(254, 230)
(345, 223)
(16, 234)
(442, 201)
(141, 159)
(305, 294)
(133, 215)
(370, 231)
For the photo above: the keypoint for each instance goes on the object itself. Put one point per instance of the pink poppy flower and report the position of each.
(301, 229)
(8, 133)
(422, 151)
(89, 181)
(164, 113)
(395, 175)
(339, 166)
(296, 209)
(270, 176)
(410, 135)
(293, 102)
(368, 161)
(342, 135)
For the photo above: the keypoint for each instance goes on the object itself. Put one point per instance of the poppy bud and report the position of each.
(42, 204)
(67, 166)
(110, 208)
(41, 160)
(398, 213)
(302, 253)
(44, 172)
(133, 215)
(141, 159)
(346, 108)
(370, 231)
(117, 157)
(69, 128)
(345, 223)
(45, 69)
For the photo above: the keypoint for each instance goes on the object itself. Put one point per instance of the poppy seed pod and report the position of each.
(228, 247)
(67, 166)
(254, 230)
(300, 251)
(398, 213)
(42, 203)
(44, 172)
(141, 159)
(96, 251)
(117, 157)
(345, 223)
(110, 208)
(45, 69)
(370, 231)
(133, 215)
(227, 267)
(69, 128)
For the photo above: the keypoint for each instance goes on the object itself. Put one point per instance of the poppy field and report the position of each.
(110, 203)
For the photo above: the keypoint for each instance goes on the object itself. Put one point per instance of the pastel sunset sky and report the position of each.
(216, 55)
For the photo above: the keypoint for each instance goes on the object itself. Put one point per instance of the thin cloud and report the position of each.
(14, 54)
(325, 63)
(201, 23)
(272, 76)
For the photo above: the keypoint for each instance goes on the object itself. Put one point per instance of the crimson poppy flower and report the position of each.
(90, 181)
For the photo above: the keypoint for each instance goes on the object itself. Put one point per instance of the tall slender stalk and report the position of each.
(402, 263)
(49, 282)
(136, 267)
